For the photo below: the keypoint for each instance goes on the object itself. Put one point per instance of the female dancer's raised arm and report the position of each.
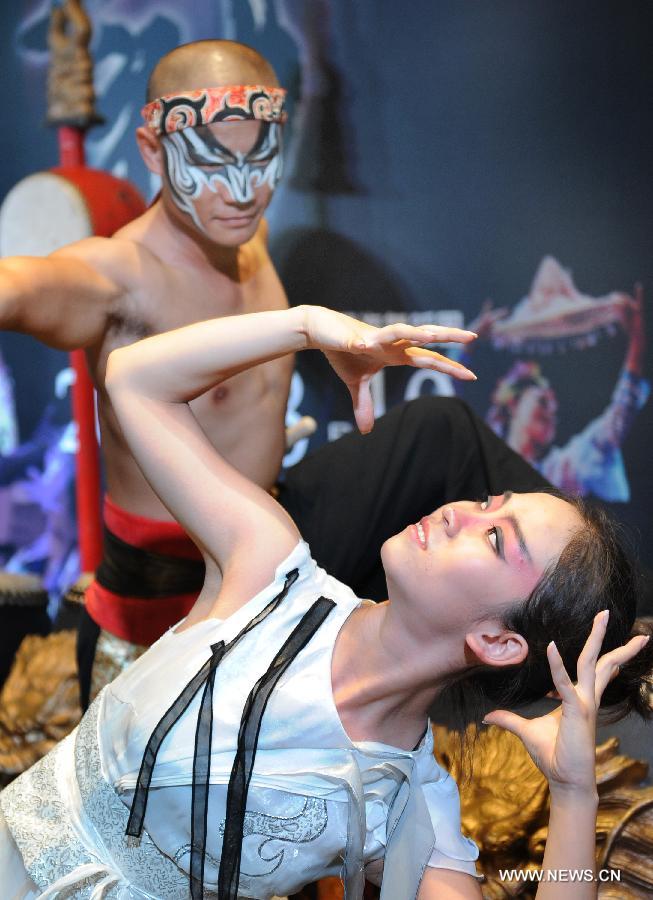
(152, 382)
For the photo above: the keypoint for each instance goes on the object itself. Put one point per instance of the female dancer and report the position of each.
(279, 732)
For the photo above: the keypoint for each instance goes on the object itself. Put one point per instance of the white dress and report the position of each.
(318, 803)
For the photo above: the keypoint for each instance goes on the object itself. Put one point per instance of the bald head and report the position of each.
(204, 64)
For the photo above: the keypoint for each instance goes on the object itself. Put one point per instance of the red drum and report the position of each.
(48, 210)
(40, 214)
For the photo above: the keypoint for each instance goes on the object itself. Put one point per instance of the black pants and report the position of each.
(88, 633)
(351, 495)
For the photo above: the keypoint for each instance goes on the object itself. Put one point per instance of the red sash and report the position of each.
(137, 619)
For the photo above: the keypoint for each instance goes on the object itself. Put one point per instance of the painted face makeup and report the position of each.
(196, 159)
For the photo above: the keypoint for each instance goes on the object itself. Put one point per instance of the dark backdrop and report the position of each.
(437, 152)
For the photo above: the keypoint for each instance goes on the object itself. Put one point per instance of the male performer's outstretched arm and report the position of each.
(66, 298)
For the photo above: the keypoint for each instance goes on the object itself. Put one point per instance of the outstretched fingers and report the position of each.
(608, 665)
(509, 721)
(363, 405)
(563, 683)
(586, 667)
(404, 345)
(429, 359)
(423, 334)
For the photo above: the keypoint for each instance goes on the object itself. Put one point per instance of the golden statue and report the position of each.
(505, 809)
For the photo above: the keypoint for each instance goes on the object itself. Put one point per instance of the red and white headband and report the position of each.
(233, 102)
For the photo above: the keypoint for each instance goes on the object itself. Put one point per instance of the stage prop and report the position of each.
(48, 210)
(505, 809)
(43, 212)
(39, 702)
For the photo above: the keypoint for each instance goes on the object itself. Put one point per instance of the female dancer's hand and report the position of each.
(562, 743)
(357, 351)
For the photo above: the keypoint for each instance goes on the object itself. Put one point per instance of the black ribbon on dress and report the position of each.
(250, 726)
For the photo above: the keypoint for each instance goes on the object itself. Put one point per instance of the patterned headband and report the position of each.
(233, 102)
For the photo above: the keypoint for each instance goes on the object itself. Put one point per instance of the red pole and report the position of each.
(87, 483)
(71, 146)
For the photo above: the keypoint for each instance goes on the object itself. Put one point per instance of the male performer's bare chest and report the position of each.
(244, 417)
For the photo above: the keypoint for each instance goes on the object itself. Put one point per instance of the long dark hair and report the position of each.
(595, 571)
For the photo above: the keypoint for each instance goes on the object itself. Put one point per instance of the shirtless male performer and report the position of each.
(200, 252)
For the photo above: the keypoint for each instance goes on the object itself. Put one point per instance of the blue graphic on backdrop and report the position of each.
(37, 521)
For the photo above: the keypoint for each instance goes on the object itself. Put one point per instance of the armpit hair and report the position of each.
(121, 325)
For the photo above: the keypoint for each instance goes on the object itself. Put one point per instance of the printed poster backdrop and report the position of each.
(477, 164)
